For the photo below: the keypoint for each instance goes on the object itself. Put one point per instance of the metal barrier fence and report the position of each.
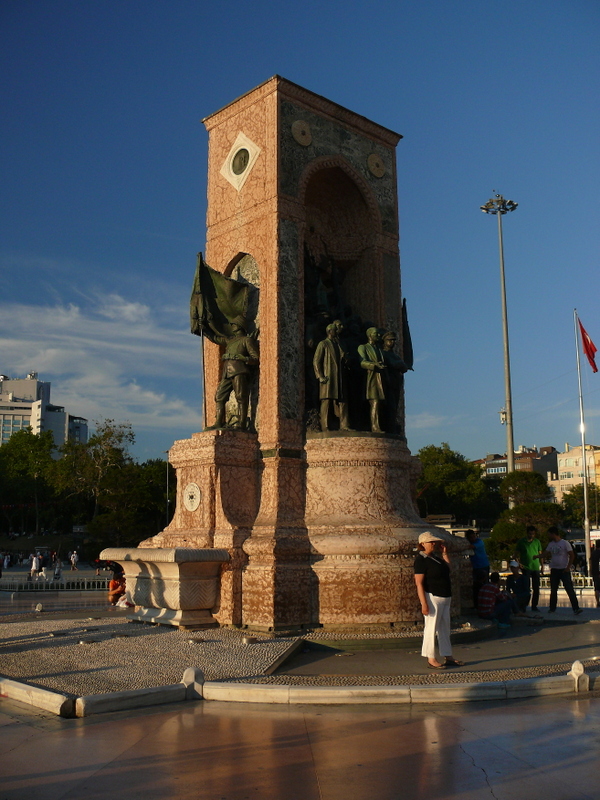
(74, 585)
(579, 582)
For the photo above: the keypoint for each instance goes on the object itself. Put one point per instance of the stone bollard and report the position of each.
(193, 680)
(580, 679)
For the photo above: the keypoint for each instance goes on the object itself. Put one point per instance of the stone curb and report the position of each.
(40, 698)
(344, 695)
(193, 687)
(133, 698)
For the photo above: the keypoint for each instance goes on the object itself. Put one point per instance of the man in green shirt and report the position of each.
(525, 552)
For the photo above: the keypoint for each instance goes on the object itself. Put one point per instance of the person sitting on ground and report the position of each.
(116, 588)
(493, 603)
(517, 585)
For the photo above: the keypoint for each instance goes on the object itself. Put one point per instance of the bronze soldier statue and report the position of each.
(241, 352)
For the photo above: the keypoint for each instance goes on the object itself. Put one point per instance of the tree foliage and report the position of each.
(450, 484)
(97, 484)
(133, 504)
(513, 523)
(573, 506)
(524, 487)
(85, 467)
(26, 467)
(500, 545)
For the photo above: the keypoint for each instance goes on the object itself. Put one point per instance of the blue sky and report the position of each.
(103, 194)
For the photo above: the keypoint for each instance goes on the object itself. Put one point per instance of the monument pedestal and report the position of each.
(362, 526)
(218, 485)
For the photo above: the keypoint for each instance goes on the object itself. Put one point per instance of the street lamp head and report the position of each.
(498, 205)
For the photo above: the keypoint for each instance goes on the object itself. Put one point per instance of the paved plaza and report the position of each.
(542, 748)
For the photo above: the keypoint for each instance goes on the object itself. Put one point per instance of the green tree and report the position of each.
(133, 504)
(85, 468)
(512, 525)
(573, 505)
(500, 545)
(450, 484)
(26, 465)
(524, 487)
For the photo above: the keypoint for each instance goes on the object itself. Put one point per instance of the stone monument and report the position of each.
(318, 518)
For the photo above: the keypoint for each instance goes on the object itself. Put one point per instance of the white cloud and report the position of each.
(106, 357)
(425, 420)
(116, 307)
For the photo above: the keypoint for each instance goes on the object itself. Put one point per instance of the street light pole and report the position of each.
(499, 206)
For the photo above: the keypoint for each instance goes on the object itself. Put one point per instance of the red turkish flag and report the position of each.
(589, 348)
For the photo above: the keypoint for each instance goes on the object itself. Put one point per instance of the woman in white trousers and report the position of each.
(432, 579)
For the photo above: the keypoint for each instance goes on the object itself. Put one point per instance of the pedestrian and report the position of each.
(35, 566)
(595, 570)
(74, 560)
(560, 557)
(527, 551)
(432, 579)
(57, 568)
(493, 603)
(480, 563)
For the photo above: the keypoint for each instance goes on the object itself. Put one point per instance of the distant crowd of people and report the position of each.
(492, 600)
(41, 564)
(526, 567)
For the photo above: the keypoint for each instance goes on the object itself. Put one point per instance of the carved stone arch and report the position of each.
(343, 270)
(339, 162)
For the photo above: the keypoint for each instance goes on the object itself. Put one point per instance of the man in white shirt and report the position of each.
(559, 556)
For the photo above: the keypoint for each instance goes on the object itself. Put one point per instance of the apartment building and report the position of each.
(570, 468)
(25, 402)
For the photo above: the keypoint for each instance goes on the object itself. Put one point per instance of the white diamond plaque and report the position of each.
(240, 161)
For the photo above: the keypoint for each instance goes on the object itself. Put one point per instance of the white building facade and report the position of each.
(570, 469)
(25, 402)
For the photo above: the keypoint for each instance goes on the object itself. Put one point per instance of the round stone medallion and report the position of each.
(192, 496)
(375, 165)
(240, 161)
(301, 132)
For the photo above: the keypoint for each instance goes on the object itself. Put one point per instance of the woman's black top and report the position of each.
(437, 574)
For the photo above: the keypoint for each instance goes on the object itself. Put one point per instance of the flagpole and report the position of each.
(586, 512)
(203, 379)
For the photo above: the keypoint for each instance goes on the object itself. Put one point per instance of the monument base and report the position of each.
(192, 620)
(363, 529)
